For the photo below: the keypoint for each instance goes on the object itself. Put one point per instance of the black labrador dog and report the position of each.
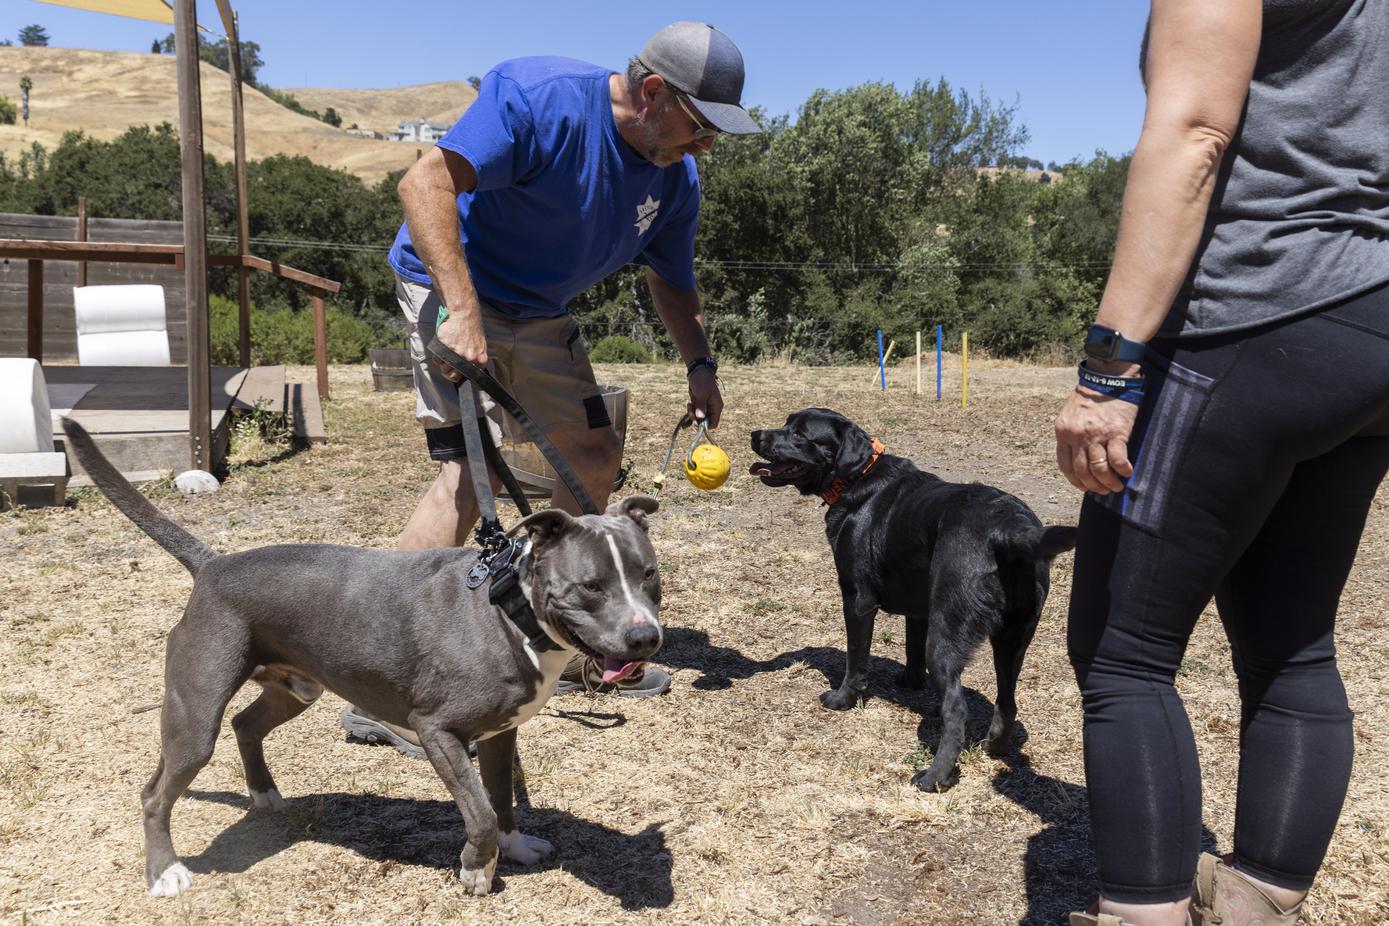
(961, 561)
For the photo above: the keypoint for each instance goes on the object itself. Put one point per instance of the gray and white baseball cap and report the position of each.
(704, 64)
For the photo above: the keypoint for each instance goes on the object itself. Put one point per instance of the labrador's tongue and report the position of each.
(615, 670)
(759, 468)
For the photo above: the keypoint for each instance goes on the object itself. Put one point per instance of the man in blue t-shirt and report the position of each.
(559, 174)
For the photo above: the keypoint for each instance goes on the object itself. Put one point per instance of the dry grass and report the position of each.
(441, 103)
(102, 93)
(734, 799)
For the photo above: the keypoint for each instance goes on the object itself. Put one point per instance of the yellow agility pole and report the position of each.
(964, 369)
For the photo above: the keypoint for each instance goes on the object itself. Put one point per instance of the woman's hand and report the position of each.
(1092, 441)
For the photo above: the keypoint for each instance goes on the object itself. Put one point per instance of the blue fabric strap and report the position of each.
(1124, 388)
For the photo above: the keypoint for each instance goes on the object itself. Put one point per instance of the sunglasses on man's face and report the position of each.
(702, 131)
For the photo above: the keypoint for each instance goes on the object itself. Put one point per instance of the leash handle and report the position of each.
(488, 384)
(684, 422)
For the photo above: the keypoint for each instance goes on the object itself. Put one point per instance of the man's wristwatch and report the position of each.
(1107, 344)
(698, 362)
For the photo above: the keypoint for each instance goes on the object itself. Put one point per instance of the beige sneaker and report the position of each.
(583, 673)
(361, 727)
(1221, 896)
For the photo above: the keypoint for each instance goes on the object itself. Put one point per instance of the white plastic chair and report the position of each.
(121, 326)
(27, 457)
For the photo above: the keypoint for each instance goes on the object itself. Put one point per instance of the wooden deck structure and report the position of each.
(144, 417)
(37, 251)
(138, 416)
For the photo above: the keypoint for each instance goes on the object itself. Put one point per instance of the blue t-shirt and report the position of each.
(562, 201)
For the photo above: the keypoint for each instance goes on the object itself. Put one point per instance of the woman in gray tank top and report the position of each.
(1231, 429)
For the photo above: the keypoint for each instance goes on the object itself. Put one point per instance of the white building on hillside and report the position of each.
(419, 130)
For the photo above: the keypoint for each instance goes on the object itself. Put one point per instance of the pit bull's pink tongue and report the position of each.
(615, 669)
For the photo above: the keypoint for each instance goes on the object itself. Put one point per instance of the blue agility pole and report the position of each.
(939, 335)
(882, 368)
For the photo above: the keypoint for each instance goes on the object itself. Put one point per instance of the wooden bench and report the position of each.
(305, 412)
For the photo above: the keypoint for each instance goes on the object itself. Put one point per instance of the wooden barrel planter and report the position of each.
(391, 370)
(533, 471)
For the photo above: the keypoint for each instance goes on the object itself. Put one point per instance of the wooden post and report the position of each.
(882, 363)
(320, 341)
(964, 369)
(190, 133)
(81, 236)
(918, 363)
(243, 287)
(36, 310)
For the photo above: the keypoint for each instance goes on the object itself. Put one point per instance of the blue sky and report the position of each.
(1071, 66)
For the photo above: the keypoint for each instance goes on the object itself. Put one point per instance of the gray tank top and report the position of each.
(1300, 214)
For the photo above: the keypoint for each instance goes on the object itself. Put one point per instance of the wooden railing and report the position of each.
(37, 251)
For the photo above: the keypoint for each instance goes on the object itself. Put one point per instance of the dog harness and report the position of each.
(836, 489)
(500, 553)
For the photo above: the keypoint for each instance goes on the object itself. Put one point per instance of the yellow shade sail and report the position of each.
(158, 11)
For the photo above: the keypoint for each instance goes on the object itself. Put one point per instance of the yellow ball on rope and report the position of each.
(707, 467)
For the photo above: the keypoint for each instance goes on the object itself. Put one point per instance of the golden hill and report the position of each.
(103, 93)
(381, 110)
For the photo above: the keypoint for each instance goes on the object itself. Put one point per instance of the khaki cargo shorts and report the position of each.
(543, 362)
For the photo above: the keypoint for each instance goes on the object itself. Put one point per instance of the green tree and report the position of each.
(25, 85)
(8, 111)
(218, 54)
(289, 102)
(34, 35)
(330, 116)
(156, 48)
(1077, 219)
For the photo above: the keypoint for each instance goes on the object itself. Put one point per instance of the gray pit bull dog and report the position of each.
(399, 635)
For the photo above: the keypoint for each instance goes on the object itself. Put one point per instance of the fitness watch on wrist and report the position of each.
(698, 362)
(1103, 343)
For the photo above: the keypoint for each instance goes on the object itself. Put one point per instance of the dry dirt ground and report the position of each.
(733, 799)
(102, 93)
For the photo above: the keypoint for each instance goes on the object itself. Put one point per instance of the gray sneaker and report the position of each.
(363, 728)
(584, 674)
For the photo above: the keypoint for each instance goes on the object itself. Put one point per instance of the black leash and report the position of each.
(499, 556)
(488, 384)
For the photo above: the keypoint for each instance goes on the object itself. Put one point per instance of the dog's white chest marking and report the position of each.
(552, 665)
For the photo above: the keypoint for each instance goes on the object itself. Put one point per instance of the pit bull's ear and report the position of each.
(636, 507)
(544, 526)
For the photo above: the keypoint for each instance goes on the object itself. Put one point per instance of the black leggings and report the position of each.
(1258, 457)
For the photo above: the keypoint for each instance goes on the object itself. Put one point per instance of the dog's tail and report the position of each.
(1036, 542)
(183, 546)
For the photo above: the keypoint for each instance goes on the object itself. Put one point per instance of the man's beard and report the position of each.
(651, 148)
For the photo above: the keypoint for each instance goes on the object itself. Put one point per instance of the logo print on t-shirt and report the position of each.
(646, 214)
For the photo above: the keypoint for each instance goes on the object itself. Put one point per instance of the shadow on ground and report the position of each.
(635, 869)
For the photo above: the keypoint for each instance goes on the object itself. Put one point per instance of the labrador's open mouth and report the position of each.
(778, 471)
(614, 670)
